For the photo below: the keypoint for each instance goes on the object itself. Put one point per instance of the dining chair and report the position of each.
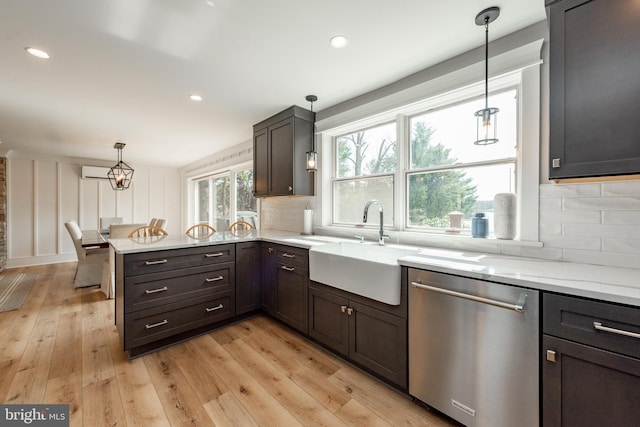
(241, 228)
(147, 234)
(200, 231)
(106, 221)
(121, 231)
(90, 261)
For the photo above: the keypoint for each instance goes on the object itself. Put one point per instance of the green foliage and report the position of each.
(433, 195)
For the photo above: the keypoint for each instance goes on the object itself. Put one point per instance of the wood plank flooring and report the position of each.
(61, 346)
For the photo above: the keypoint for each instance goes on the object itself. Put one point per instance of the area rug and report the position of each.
(14, 288)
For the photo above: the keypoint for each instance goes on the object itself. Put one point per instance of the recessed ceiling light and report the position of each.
(37, 52)
(195, 97)
(210, 3)
(338, 41)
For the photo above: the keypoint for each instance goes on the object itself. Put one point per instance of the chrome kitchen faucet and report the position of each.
(364, 219)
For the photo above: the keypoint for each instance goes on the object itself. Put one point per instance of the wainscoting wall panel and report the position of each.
(43, 194)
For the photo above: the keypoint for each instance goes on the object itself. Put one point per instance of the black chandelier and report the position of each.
(487, 118)
(121, 174)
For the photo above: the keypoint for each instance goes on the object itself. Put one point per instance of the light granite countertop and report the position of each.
(614, 284)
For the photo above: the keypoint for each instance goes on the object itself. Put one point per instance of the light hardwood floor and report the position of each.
(61, 346)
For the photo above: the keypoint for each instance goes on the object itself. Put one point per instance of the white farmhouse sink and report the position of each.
(364, 269)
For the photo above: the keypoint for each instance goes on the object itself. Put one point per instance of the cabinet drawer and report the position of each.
(146, 326)
(153, 262)
(292, 256)
(151, 290)
(582, 321)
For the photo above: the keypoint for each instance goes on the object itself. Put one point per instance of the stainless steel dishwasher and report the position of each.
(473, 349)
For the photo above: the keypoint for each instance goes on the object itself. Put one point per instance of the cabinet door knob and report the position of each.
(290, 188)
(349, 311)
(555, 163)
(551, 356)
(343, 309)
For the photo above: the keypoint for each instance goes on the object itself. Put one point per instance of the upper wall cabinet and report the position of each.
(594, 88)
(280, 144)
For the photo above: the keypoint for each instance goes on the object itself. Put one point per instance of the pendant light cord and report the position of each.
(486, 63)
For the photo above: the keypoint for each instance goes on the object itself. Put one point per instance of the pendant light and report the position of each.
(121, 174)
(487, 118)
(312, 156)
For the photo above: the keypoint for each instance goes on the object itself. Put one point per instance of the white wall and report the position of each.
(43, 193)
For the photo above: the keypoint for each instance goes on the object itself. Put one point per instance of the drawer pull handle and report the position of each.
(153, 291)
(155, 325)
(286, 255)
(218, 307)
(160, 261)
(284, 267)
(214, 279)
(598, 326)
(214, 255)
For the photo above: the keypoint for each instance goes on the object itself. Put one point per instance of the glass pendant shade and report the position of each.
(121, 174)
(487, 126)
(312, 161)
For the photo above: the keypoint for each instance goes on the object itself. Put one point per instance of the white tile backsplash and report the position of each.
(594, 223)
(285, 213)
(599, 223)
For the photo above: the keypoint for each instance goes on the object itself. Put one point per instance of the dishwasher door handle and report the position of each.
(519, 307)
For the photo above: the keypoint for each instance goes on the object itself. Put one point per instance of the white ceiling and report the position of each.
(123, 69)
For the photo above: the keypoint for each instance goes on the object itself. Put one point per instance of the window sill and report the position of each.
(448, 241)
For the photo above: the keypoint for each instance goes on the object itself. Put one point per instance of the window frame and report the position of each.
(519, 67)
(229, 172)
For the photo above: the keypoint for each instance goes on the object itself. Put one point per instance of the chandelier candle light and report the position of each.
(121, 174)
(487, 117)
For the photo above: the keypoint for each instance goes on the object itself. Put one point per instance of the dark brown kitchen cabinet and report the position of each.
(364, 330)
(285, 283)
(590, 363)
(594, 88)
(280, 144)
(268, 276)
(162, 297)
(247, 277)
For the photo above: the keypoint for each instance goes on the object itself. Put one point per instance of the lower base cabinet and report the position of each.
(371, 337)
(590, 375)
(247, 277)
(285, 283)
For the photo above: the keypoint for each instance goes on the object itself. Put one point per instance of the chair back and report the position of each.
(76, 236)
(161, 223)
(121, 231)
(200, 231)
(241, 228)
(147, 233)
(106, 221)
(153, 222)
